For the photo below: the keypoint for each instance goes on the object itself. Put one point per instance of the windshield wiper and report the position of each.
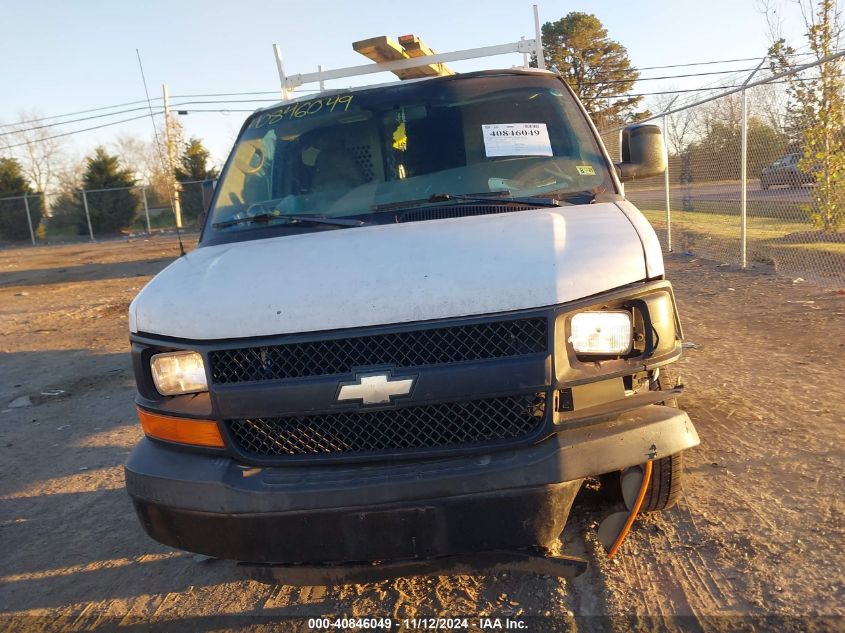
(404, 204)
(534, 202)
(266, 218)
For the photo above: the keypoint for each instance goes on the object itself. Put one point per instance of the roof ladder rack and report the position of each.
(410, 58)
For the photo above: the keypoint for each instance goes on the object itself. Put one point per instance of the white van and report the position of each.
(418, 317)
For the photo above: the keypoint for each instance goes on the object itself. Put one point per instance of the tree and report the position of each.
(597, 67)
(193, 167)
(681, 127)
(67, 217)
(144, 160)
(717, 154)
(113, 210)
(817, 110)
(37, 148)
(13, 221)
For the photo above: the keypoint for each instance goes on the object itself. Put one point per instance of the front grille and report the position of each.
(421, 427)
(417, 348)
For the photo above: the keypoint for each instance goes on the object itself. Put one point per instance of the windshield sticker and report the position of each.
(303, 109)
(585, 170)
(516, 139)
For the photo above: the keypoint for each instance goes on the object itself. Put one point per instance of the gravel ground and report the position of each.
(756, 540)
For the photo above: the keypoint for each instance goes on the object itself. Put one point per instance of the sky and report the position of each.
(59, 57)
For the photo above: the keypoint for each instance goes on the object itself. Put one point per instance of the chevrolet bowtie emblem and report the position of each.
(375, 389)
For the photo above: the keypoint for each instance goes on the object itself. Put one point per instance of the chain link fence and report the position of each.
(97, 214)
(768, 216)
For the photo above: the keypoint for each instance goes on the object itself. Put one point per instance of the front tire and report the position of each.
(664, 488)
(665, 484)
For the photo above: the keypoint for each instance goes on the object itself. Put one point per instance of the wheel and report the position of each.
(667, 472)
(664, 488)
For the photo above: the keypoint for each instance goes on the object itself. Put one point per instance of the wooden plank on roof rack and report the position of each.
(385, 49)
(415, 47)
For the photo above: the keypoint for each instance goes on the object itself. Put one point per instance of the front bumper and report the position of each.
(386, 511)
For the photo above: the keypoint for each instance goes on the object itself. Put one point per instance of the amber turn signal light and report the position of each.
(182, 430)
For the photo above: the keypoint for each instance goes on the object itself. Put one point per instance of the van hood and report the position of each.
(398, 273)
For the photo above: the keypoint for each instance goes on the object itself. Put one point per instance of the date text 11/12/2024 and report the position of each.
(426, 624)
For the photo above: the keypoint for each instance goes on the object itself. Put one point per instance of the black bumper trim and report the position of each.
(414, 530)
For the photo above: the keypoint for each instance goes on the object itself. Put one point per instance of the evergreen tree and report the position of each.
(111, 211)
(193, 167)
(13, 221)
(595, 66)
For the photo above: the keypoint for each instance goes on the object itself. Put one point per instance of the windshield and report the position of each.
(358, 152)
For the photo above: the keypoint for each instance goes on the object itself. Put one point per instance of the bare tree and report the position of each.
(147, 160)
(140, 156)
(681, 127)
(772, 10)
(68, 174)
(36, 147)
(770, 102)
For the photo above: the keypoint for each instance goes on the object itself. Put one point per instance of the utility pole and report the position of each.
(171, 159)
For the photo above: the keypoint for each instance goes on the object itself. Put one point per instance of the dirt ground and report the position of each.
(757, 540)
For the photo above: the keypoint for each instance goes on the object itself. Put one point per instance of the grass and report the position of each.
(726, 226)
(788, 244)
(827, 247)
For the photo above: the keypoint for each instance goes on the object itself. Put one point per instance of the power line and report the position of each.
(273, 100)
(130, 103)
(701, 89)
(710, 63)
(58, 116)
(109, 114)
(276, 92)
(225, 101)
(87, 129)
(227, 94)
(87, 118)
(221, 110)
(719, 61)
(625, 81)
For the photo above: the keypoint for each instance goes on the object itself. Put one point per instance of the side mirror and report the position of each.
(643, 153)
(207, 194)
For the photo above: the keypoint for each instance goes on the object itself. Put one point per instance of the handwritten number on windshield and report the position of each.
(303, 109)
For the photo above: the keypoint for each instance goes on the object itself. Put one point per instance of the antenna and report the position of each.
(164, 166)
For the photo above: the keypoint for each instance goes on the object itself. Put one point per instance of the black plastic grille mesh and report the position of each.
(402, 349)
(421, 427)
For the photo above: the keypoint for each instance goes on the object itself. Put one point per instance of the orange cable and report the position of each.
(634, 511)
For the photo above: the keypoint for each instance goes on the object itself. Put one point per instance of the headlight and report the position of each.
(175, 373)
(608, 333)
